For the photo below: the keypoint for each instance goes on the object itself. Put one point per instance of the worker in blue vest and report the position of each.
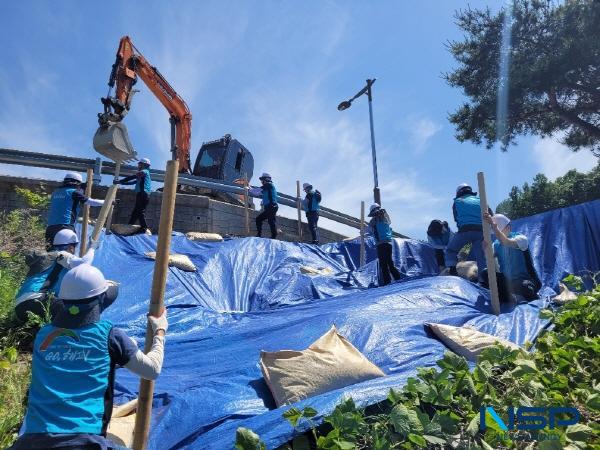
(143, 186)
(65, 204)
(467, 214)
(73, 367)
(45, 274)
(439, 236)
(516, 274)
(310, 204)
(270, 203)
(380, 228)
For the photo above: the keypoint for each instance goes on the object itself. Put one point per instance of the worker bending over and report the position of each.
(73, 367)
(380, 227)
(46, 271)
(467, 214)
(517, 275)
(310, 204)
(268, 193)
(65, 204)
(143, 186)
(438, 236)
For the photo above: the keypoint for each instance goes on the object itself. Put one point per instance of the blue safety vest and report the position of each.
(269, 195)
(511, 260)
(310, 202)
(467, 210)
(34, 283)
(144, 184)
(64, 209)
(69, 378)
(381, 230)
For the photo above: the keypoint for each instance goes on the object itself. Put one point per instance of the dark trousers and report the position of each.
(139, 210)
(52, 230)
(269, 214)
(508, 287)
(313, 217)
(386, 264)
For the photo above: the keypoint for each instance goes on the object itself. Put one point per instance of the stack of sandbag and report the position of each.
(124, 229)
(182, 262)
(204, 237)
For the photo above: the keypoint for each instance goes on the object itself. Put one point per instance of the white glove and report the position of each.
(159, 323)
(94, 244)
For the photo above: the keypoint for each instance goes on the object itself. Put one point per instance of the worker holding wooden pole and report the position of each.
(86, 213)
(159, 281)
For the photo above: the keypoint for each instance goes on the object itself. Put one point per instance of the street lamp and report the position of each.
(345, 105)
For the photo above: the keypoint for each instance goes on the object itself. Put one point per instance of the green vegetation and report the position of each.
(20, 230)
(552, 74)
(543, 195)
(440, 408)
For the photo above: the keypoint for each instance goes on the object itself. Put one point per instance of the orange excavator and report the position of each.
(111, 139)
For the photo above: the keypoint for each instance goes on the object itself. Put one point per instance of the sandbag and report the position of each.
(204, 237)
(466, 341)
(122, 424)
(124, 229)
(182, 262)
(316, 271)
(331, 362)
(565, 295)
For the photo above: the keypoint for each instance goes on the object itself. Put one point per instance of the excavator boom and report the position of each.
(111, 138)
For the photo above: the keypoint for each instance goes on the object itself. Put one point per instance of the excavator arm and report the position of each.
(130, 64)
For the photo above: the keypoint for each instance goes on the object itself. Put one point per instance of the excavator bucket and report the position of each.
(113, 142)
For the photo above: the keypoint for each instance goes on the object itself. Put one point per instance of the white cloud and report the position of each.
(555, 159)
(421, 131)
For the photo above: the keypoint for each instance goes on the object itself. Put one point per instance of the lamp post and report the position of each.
(345, 105)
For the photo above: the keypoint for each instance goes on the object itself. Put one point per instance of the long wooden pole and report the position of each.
(299, 207)
(246, 205)
(159, 281)
(108, 201)
(487, 246)
(86, 213)
(362, 234)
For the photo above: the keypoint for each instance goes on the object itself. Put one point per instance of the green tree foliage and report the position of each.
(544, 195)
(553, 75)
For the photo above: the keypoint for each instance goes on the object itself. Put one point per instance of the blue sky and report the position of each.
(270, 73)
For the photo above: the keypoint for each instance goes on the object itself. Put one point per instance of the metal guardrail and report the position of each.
(61, 162)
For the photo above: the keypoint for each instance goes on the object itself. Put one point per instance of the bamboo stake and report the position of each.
(299, 207)
(106, 207)
(487, 246)
(110, 217)
(159, 281)
(362, 234)
(86, 213)
(246, 205)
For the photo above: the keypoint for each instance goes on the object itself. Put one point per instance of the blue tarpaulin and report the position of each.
(249, 295)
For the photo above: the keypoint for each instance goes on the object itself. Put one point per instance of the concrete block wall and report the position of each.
(192, 212)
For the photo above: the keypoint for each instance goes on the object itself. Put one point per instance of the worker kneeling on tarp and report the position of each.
(73, 364)
(517, 275)
(46, 271)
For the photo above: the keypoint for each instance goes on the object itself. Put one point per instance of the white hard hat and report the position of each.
(462, 186)
(265, 176)
(65, 237)
(501, 220)
(145, 161)
(307, 185)
(81, 282)
(374, 207)
(73, 176)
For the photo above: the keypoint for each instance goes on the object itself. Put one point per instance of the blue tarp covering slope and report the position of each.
(249, 295)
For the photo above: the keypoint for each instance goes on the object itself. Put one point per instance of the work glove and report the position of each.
(159, 323)
(94, 244)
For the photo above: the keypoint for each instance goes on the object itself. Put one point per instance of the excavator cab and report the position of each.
(112, 141)
(224, 159)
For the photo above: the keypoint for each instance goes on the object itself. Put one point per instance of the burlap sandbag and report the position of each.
(466, 341)
(176, 260)
(565, 295)
(122, 424)
(204, 237)
(315, 271)
(124, 229)
(331, 362)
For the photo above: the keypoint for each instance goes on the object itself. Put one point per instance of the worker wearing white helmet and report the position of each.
(46, 271)
(516, 275)
(73, 366)
(467, 214)
(380, 228)
(270, 202)
(143, 187)
(65, 204)
(311, 206)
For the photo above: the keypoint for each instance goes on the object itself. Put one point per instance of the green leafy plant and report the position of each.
(33, 199)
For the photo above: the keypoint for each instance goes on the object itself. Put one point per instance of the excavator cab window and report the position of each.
(239, 159)
(211, 162)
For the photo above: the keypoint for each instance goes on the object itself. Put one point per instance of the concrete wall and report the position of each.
(192, 212)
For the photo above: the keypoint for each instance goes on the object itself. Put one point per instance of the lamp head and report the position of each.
(344, 105)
